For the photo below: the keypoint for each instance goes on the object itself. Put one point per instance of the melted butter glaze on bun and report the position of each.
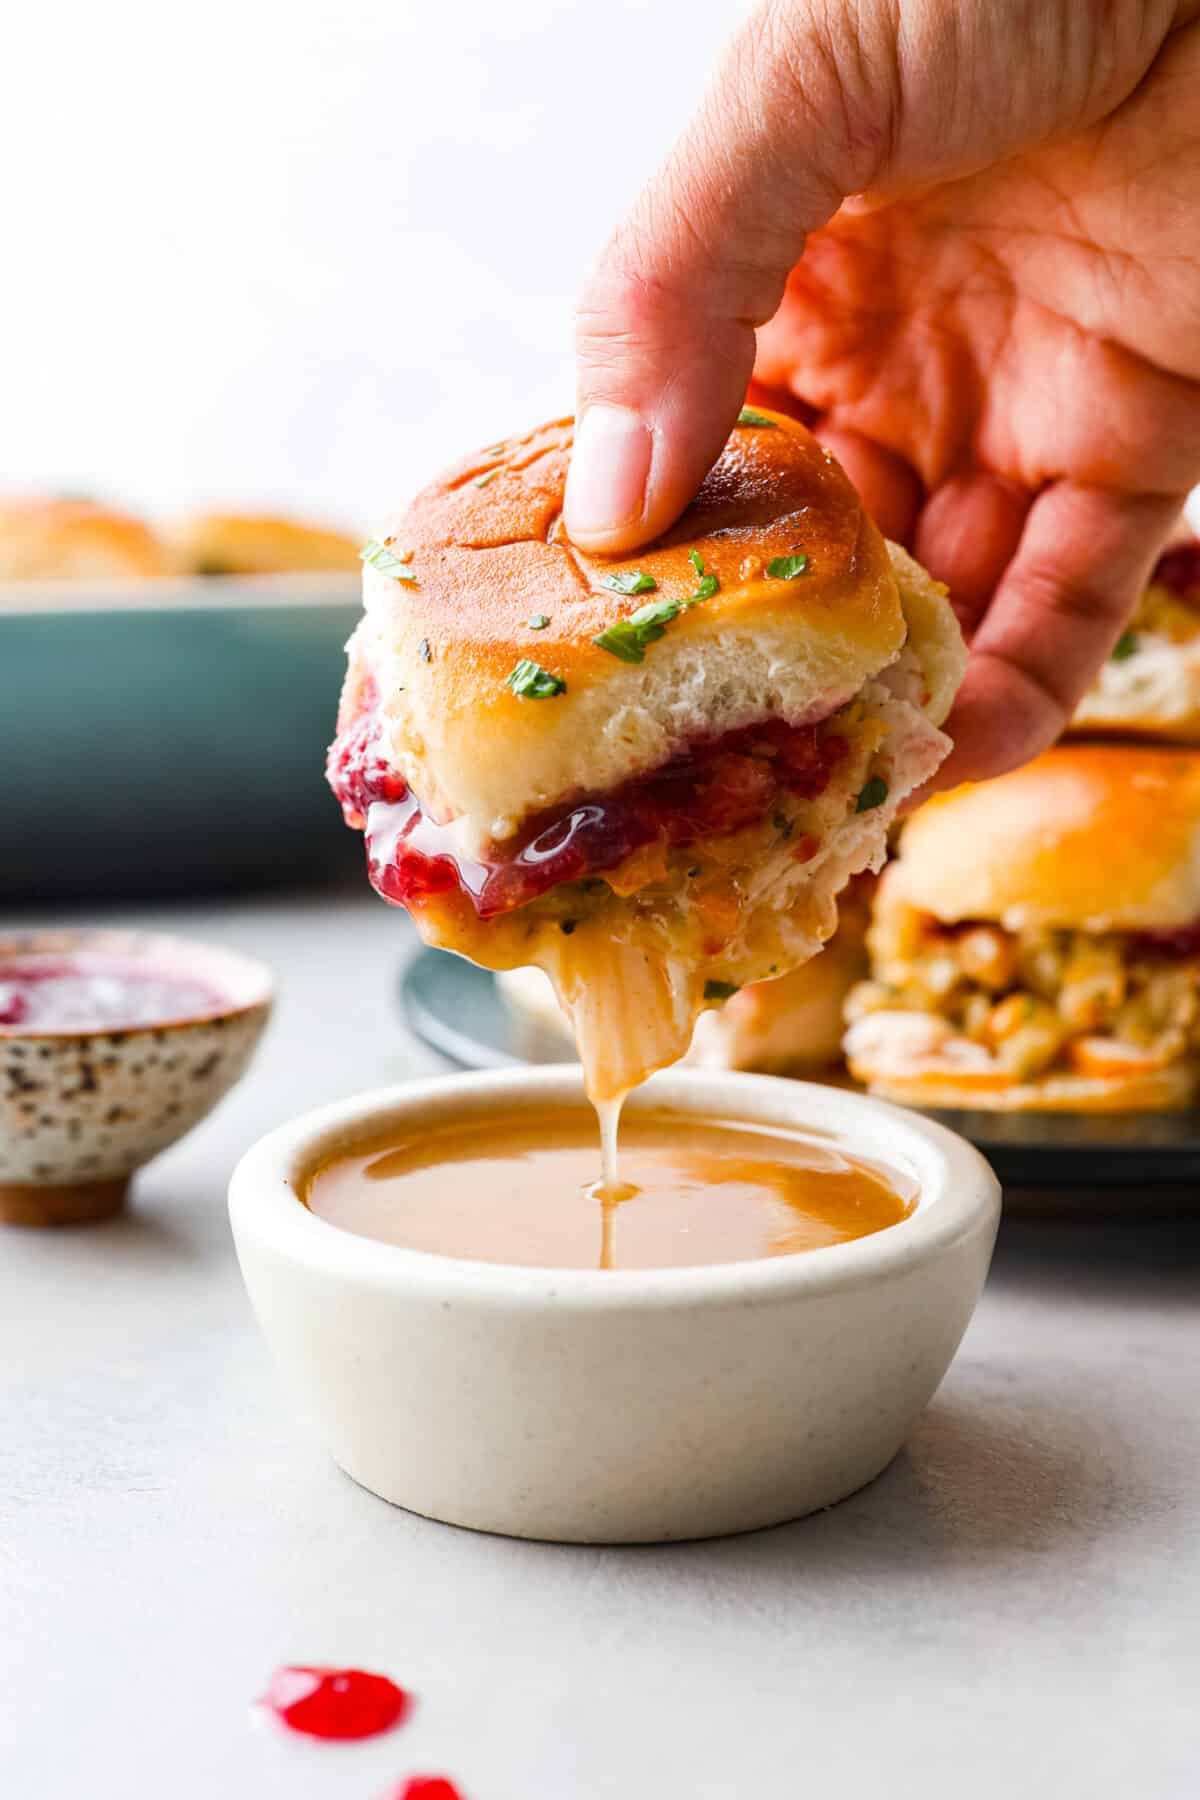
(488, 557)
(1089, 836)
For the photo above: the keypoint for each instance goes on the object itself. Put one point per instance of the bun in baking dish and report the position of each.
(1036, 945)
(76, 540)
(650, 777)
(260, 544)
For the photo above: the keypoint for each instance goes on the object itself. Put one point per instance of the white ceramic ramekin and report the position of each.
(616, 1407)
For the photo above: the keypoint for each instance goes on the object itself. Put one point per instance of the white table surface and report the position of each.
(1013, 1608)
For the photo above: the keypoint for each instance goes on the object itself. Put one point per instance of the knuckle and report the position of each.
(836, 64)
(624, 308)
(1092, 600)
(1025, 713)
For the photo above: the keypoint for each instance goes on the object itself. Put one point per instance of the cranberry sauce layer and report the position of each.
(708, 790)
(92, 991)
(1180, 941)
(1175, 943)
(1179, 570)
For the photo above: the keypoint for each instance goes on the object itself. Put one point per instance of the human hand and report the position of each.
(998, 335)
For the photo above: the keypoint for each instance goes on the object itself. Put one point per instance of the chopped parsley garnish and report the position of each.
(628, 638)
(786, 568)
(537, 621)
(633, 581)
(1125, 646)
(424, 650)
(488, 475)
(720, 990)
(748, 416)
(707, 585)
(386, 561)
(873, 794)
(651, 620)
(494, 450)
(532, 682)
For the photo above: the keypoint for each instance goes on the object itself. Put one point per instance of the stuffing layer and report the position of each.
(1037, 1001)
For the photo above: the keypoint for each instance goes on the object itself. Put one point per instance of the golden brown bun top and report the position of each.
(54, 540)
(488, 551)
(1089, 836)
(261, 544)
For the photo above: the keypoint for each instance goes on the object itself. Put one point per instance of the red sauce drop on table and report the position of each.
(710, 789)
(335, 1703)
(425, 1787)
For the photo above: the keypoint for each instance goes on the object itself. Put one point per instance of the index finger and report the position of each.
(1083, 559)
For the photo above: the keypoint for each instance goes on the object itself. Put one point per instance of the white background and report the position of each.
(304, 253)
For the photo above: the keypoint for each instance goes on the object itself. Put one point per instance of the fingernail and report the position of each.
(606, 483)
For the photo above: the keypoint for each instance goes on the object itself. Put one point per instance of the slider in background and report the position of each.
(1036, 944)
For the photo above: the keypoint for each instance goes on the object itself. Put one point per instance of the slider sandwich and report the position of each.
(1150, 685)
(649, 777)
(1036, 944)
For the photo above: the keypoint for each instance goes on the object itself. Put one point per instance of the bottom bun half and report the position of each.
(894, 1055)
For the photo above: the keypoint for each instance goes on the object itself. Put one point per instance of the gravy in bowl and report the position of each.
(525, 1189)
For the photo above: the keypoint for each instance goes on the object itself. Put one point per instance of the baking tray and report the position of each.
(458, 1010)
(168, 736)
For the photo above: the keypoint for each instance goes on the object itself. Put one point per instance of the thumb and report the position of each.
(665, 331)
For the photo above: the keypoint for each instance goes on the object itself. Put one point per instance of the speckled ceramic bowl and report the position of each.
(80, 1110)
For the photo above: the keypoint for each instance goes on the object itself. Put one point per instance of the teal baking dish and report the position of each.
(169, 736)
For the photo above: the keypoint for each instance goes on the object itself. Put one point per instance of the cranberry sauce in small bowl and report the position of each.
(112, 1045)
